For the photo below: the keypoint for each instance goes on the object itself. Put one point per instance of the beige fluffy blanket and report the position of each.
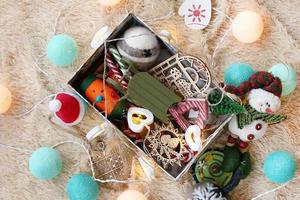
(26, 26)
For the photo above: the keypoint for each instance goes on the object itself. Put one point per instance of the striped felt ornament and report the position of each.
(251, 115)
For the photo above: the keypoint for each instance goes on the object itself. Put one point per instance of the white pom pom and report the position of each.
(54, 105)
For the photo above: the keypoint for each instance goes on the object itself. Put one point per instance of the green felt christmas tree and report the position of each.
(223, 105)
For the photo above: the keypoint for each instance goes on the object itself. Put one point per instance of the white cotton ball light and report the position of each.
(247, 26)
(131, 195)
(5, 99)
(109, 2)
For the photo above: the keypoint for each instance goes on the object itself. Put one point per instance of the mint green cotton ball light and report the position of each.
(62, 50)
(237, 73)
(287, 75)
(82, 187)
(280, 167)
(45, 163)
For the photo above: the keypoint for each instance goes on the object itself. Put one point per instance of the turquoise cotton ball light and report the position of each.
(82, 187)
(62, 50)
(280, 167)
(287, 75)
(45, 163)
(237, 73)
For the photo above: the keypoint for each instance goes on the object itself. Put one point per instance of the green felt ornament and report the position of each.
(119, 110)
(208, 168)
(251, 115)
(245, 166)
(146, 91)
(231, 159)
(226, 106)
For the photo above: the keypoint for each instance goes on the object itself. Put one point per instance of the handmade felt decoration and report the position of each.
(287, 75)
(94, 90)
(45, 163)
(280, 167)
(82, 187)
(138, 118)
(196, 13)
(193, 137)
(148, 92)
(224, 106)
(264, 91)
(68, 108)
(208, 191)
(139, 46)
(62, 50)
(247, 26)
(208, 168)
(182, 108)
(5, 99)
(237, 73)
(187, 75)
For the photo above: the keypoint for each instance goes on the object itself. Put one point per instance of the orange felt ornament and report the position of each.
(93, 89)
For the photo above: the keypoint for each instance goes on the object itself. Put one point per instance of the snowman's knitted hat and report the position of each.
(68, 108)
(261, 79)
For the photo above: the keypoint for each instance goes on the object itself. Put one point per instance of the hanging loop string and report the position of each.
(34, 106)
(274, 189)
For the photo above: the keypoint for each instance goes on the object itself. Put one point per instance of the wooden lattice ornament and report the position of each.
(187, 75)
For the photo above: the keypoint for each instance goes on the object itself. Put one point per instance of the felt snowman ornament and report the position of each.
(249, 126)
(196, 13)
(263, 90)
(67, 108)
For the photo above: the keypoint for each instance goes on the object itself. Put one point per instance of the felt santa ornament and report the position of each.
(263, 90)
(68, 108)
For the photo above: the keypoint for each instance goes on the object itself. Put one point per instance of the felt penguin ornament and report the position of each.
(196, 13)
(67, 108)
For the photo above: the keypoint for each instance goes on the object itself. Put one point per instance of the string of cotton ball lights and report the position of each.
(80, 186)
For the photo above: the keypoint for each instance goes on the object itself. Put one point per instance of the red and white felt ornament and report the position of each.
(68, 108)
(197, 13)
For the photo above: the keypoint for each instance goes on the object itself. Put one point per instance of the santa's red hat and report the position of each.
(68, 108)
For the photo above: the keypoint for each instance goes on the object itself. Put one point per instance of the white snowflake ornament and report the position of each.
(197, 13)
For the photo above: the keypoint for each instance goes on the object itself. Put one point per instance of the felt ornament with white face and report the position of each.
(193, 137)
(263, 89)
(138, 118)
(197, 13)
